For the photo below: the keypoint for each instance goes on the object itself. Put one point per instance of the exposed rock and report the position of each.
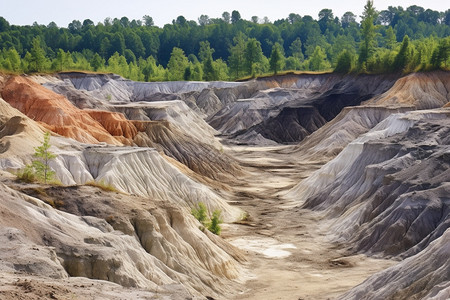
(420, 90)
(387, 190)
(423, 276)
(54, 111)
(159, 245)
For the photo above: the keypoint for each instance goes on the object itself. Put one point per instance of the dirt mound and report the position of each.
(419, 90)
(54, 111)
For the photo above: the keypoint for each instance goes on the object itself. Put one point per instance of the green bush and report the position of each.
(216, 220)
(26, 174)
(200, 212)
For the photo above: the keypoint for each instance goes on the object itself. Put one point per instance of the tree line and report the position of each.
(228, 48)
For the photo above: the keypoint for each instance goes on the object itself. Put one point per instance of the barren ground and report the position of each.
(289, 255)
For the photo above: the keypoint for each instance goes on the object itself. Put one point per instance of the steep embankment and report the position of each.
(195, 146)
(55, 112)
(295, 106)
(139, 171)
(423, 276)
(155, 246)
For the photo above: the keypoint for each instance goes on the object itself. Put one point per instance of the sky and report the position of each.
(62, 12)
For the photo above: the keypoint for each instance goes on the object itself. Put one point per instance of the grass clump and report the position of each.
(103, 186)
(201, 213)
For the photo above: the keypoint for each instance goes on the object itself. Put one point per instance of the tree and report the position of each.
(441, 54)
(402, 58)
(226, 17)
(344, 62)
(276, 59)
(97, 62)
(318, 60)
(148, 21)
(390, 39)
(296, 49)
(216, 220)
(347, 19)
(236, 59)
(368, 32)
(205, 52)
(37, 58)
(177, 64)
(252, 54)
(203, 20)
(44, 156)
(235, 16)
(209, 72)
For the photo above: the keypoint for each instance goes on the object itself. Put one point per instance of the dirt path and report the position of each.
(289, 255)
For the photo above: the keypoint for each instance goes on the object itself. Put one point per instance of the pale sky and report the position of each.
(62, 12)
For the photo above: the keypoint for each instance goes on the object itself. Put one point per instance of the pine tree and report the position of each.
(43, 155)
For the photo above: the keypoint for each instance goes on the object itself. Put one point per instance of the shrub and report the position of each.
(200, 212)
(216, 220)
(26, 174)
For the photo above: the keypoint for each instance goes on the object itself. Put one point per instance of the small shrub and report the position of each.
(201, 214)
(216, 220)
(26, 174)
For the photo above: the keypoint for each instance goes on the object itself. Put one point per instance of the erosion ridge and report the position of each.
(366, 189)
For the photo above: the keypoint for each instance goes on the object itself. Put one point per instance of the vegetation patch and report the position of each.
(201, 213)
(103, 186)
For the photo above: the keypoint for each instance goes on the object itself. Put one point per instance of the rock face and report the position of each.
(386, 191)
(54, 111)
(139, 171)
(427, 276)
(419, 90)
(295, 106)
(189, 140)
(151, 245)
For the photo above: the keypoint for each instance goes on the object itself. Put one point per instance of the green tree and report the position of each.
(276, 59)
(205, 52)
(344, 62)
(209, 72)
(13, 59)
(403, 56)
(97, 62)
(318, 60)
(296, 49)
(37, 56)
(237, 59)
(253, 55)
(390, 39)
(44, 156)
(367, 32)
(441, 54)
(200, 213)
(177, 64)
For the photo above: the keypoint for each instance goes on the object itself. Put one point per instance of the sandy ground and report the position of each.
(289, 254)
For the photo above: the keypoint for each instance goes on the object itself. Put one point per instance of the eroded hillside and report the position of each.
(322, 180)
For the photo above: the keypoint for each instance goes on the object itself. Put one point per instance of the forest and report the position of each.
(230, 48)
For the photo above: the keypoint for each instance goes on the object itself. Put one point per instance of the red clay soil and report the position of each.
(59, 115)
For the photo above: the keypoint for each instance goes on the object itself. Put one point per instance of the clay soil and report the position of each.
(289, 252)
